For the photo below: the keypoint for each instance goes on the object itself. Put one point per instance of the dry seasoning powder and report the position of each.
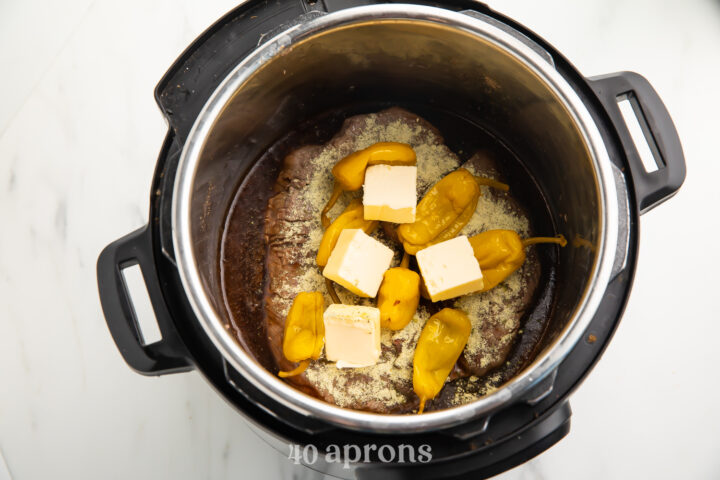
(381, 381)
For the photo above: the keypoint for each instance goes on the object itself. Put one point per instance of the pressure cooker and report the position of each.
(267, 65)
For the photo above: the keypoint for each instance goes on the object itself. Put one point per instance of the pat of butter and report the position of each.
(389, 193)
(358, 262)
(352, 335)
(450, 269)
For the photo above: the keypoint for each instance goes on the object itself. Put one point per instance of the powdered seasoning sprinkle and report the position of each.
(389, 382)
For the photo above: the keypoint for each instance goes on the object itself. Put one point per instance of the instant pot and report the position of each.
(268, 66)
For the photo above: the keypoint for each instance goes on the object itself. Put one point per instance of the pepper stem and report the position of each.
(405, 262)
(337, 191)
(296, 371)
(331, 291)
(560, 240)
(489, 182)
(422, 405)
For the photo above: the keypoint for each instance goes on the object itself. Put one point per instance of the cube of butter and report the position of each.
(358, 262)
(389, 193)
(450, 269)
(352, 335)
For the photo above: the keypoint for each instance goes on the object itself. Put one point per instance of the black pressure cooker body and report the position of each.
(479, 448)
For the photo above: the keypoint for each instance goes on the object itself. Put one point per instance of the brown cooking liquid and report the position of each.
(243, 254)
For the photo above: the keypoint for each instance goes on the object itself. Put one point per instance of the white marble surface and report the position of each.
(79, 134)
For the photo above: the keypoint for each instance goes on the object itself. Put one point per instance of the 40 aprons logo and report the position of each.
(349, 454)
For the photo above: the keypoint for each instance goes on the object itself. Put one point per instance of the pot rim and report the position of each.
(287, 395)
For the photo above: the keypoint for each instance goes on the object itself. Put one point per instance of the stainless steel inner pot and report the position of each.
(463, 61)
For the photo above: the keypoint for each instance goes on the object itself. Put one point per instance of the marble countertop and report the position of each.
(79, 135)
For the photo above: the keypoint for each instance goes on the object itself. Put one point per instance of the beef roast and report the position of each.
(292, 236)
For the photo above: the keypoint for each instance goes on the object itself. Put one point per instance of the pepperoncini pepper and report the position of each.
(441, 342)
(304, 331)
(500, 252)
(349, 172)
(352, 217)
(444, 210)
(398, 296)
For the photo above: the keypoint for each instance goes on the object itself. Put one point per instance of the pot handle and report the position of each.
(167, 355)
(651, 188)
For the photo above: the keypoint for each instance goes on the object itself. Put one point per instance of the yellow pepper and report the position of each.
(441, 342)
(304, 331)
(444, 210)
(349, 172)
(398, 296)
(500, 252)
(352, 217)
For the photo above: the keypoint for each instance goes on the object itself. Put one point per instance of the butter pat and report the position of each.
(358, 262)
(389, 193)
(352, 335)
(450, 269)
